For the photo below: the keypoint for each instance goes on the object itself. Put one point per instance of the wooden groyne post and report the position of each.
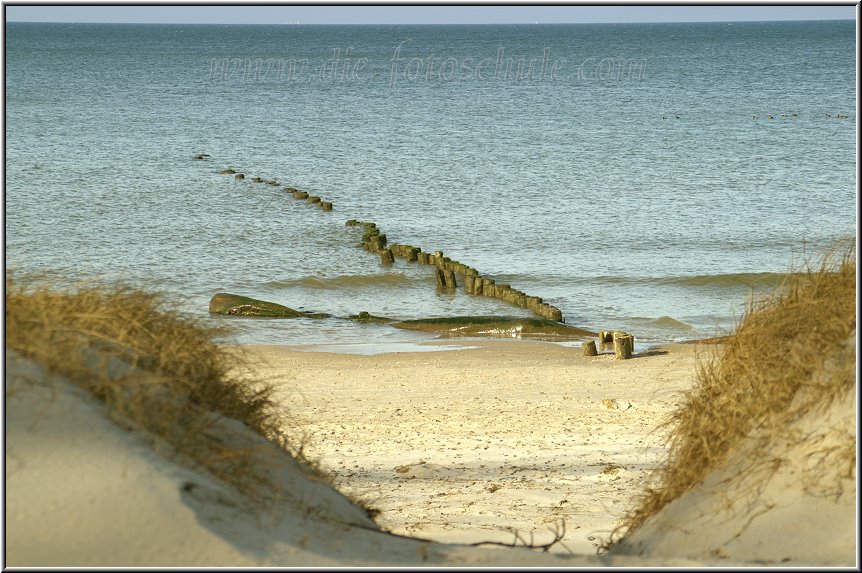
(624, 345)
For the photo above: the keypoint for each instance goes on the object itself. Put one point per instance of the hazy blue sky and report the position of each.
(418, 14)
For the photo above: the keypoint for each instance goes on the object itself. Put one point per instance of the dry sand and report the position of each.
(472, 445)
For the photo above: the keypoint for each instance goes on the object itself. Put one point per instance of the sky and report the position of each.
(439, 14)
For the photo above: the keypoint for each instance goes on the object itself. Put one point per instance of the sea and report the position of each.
(651, 178)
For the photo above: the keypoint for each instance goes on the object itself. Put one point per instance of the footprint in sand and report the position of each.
(425, 470)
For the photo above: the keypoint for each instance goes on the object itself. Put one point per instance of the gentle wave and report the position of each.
(663, 322)
(733, 280)
(729, 280)
(342, 282)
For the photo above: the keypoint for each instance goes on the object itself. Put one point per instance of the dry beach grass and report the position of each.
(151, 367)
(772, 371)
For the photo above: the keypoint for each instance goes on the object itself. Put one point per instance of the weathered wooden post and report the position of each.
(326, 205)
(239, 176)
(449, 277)
(555, 313)
(468, 284)
(590, 348)
(605, 338)
(441, 278)
(624, 345)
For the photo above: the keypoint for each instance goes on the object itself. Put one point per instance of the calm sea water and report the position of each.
(628, 174)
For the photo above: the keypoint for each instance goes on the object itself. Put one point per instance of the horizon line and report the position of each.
(432, 24)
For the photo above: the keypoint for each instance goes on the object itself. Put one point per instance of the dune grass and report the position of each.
(151, 366)
(762, 379)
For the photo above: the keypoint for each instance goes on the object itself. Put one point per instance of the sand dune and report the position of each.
(786, 496)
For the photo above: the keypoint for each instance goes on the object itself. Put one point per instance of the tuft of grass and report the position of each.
(151, 366)
(770, 371)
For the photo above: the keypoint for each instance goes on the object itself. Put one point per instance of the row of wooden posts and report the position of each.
(297, 194)
(374, 241)
(623, 344)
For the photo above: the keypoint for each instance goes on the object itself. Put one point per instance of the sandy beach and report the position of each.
(474, 445)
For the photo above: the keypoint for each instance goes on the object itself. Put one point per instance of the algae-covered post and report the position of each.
(500, 291)
(387, 257)
(488, 287)
(468, 283)
(438, 259)
(551, 312)
(590, 348)
(441, 278)
(449, 278)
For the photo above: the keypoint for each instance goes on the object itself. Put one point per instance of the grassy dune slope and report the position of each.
(791, 359)
(151, 367)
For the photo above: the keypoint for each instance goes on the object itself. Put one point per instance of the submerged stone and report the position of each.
(366, 317)
(237, 305)
(495, 326)
(316, 315)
